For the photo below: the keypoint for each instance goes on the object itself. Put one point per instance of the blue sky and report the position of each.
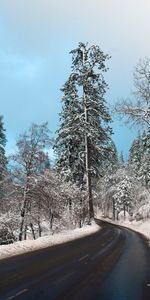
(35, 39)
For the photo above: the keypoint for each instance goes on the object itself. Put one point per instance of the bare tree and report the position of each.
(47, 199)
(51, 199)
(30, 160)
(137, 111)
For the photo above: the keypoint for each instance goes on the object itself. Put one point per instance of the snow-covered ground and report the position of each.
(142, 226)
(46, 241)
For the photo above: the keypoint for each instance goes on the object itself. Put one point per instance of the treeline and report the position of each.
(88, 177)
(139, 158)
(33, 199)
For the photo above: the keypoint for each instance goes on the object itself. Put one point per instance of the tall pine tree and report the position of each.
(135, 154)
(84, 134)
(144, 170)
(3, 160)
(139, 157)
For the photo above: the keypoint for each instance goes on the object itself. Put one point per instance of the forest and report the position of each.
(88, 177)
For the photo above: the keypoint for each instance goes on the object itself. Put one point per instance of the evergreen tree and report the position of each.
(144, 170)
(3, 160)
(69, 141)
(143, 145)
(135, 154)
(123, 194)
(109, 180)
(121, 160)
(84, 133)
(139, 157)
(111, 164)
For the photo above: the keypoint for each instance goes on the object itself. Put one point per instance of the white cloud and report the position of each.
(121, 24)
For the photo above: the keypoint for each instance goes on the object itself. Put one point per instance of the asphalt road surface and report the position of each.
(111, 264)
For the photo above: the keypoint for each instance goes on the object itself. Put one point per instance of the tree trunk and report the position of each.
(23, 210)
(89, 190)
(39, 227)
(117, 215)
(87, 162)
(32, 229)
(81, 216)
(39, 219)
(51, 219)
(88, 174)
(25, 232)
(80, 223)
(124, 211)
(70, 205)
(22, 219)
(113, 209)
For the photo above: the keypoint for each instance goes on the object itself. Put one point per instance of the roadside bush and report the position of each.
(6, 237)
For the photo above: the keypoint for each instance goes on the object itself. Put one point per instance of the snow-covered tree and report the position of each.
(116, 191)
(139, 157)
(121, 160)
(135, 153)
(51, 198)
(138, 110)
(9, 217)
(84, 134)
(30, 160)
(144, 169)
(3, 160)
(104, 187)
(69, 143)
(123, 195)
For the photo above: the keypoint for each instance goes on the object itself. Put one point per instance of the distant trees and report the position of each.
(119, 191)
(139, 157)
(134, 159)
(123, 195)
(83, 138)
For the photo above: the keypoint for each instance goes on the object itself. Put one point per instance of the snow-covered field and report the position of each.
(46, 241)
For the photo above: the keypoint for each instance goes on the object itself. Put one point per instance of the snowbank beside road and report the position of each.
(140, 226)
(46, 241)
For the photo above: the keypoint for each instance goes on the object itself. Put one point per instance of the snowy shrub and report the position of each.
(143, 212)
(6, 237)
(123, 215)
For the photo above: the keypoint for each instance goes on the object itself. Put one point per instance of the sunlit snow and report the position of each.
(47, 241)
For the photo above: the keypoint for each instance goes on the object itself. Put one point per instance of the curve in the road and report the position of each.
(79, 269)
